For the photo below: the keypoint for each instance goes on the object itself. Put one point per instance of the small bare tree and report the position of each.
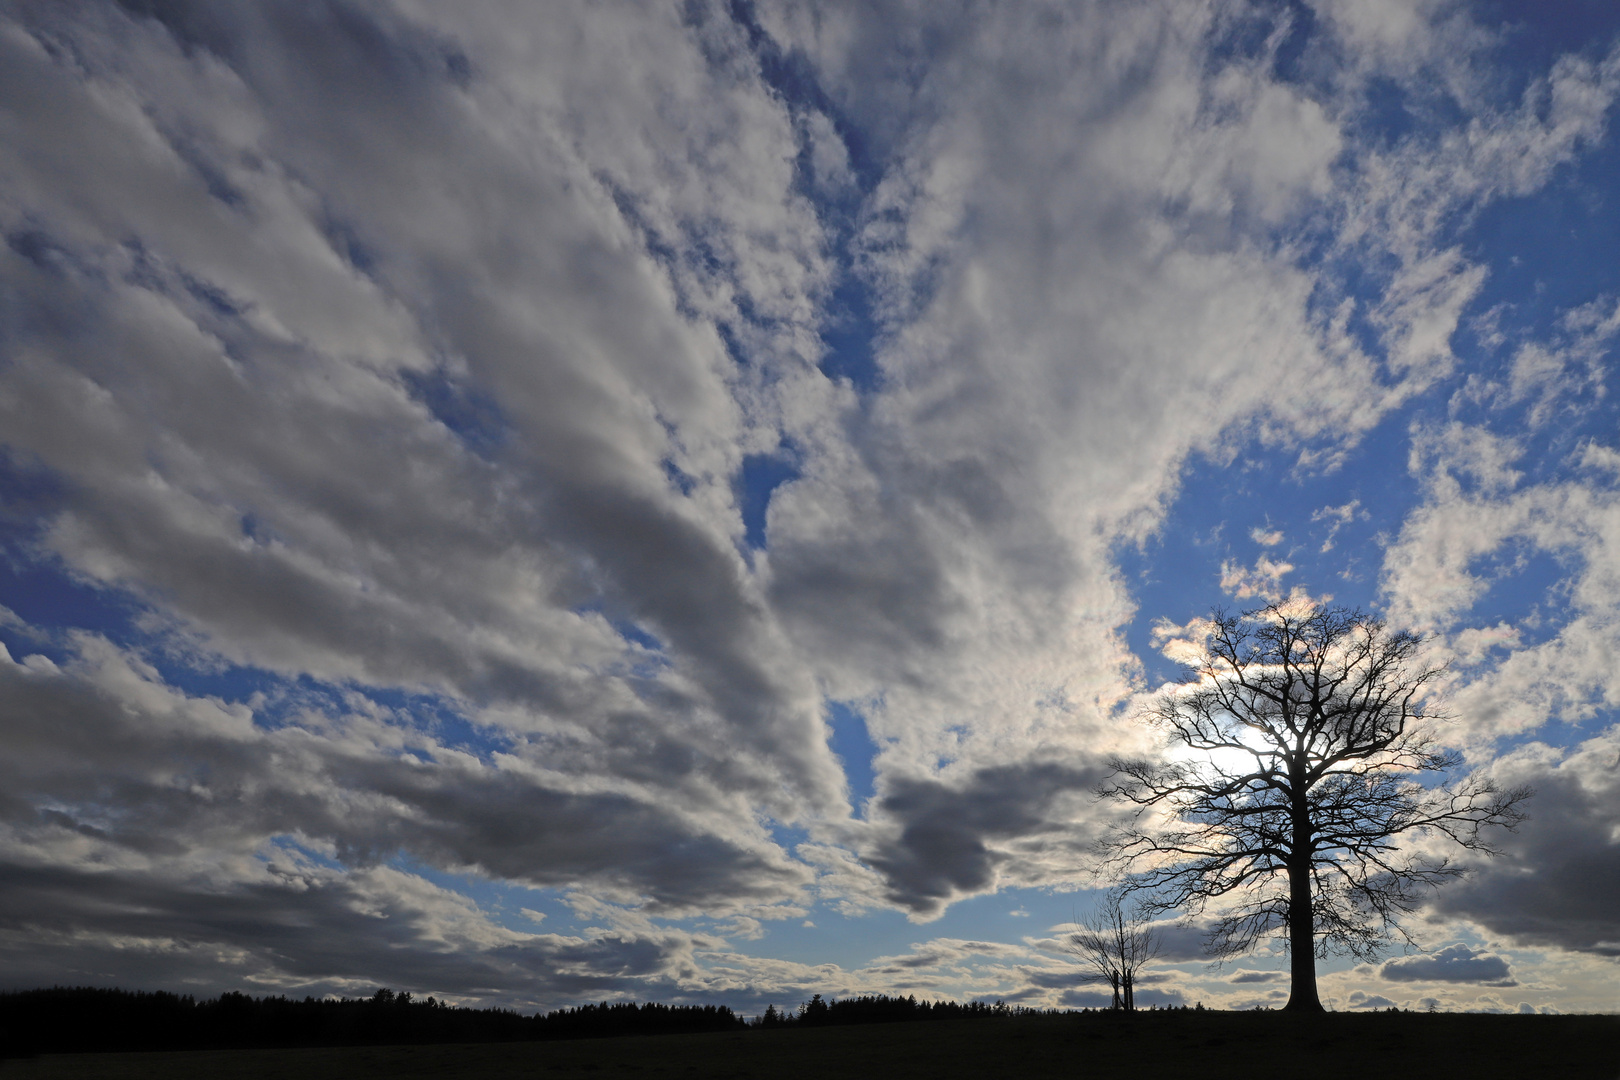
(1300, 758)
(1115, 946)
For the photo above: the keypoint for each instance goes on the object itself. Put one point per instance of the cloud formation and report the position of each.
(1454, 963)
(1550, 887)
(482, 447)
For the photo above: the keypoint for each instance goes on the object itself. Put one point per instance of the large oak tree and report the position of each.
(1302, 791)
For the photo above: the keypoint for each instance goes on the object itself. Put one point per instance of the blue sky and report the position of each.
(680, 501)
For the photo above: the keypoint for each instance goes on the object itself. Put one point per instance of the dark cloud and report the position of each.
(942, 841)
(1556, 882)
(1060, 980)
(1454, 963)
(1182, 941)
(1175, 941)
(134, 762)
(302, 929)
(937, 953)
(1258, 976)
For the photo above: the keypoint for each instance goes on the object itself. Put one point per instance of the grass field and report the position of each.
(1199, 1045)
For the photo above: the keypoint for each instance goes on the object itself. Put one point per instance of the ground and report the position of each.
(1207, 1045)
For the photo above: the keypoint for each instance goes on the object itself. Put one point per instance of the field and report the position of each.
(1180, 1044)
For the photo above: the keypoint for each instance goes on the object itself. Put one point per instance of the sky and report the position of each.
(537, 504)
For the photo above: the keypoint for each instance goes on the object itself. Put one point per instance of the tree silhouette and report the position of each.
(1115, 945)
(814, 1012)
(1302, 756)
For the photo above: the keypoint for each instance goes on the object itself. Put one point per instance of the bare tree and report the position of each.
(1302, 763)
(1115, 945)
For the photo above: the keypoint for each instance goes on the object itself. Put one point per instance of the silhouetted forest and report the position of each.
(882, 1009)
(80, 1019)
(84, 1019)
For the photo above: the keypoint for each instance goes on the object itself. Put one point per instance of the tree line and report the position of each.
(89, 1019)
(883, 1009)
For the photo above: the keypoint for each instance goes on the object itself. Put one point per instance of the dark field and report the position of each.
(1178, 1044)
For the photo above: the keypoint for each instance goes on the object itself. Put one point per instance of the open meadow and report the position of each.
(1205, 1045)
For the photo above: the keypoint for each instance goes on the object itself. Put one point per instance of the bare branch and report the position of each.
(1302, 742)
(1115, 945)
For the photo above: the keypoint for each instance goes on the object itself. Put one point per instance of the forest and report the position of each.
(841, 1037)
(66, 1020)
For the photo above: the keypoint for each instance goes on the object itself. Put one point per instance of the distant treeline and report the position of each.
(882, 1009)
(85, 1019)
(82, 1019)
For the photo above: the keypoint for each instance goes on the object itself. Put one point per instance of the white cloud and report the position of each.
(1337, 518)
(1266, 537)
(1559, 377)
(1263, 580)
(1477, 525)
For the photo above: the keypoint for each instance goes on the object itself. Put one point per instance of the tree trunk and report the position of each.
(1301, 942)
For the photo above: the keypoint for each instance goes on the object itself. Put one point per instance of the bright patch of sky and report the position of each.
(683, 501)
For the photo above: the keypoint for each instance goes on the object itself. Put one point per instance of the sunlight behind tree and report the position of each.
(1306, 733)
